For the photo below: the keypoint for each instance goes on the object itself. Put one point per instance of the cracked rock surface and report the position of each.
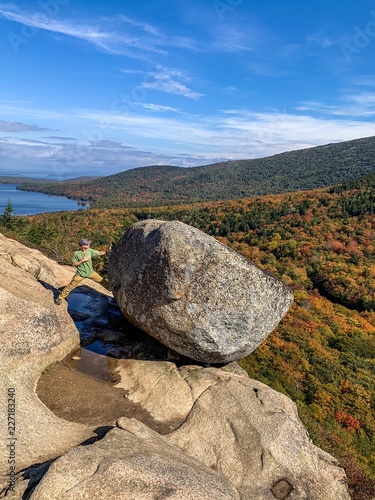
(239, 427)
(132, 462)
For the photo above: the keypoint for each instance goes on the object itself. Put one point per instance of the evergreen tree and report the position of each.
(8, 214)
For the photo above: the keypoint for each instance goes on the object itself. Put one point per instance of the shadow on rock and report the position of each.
(105, 331)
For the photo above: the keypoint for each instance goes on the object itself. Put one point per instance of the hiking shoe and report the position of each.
(57, 301)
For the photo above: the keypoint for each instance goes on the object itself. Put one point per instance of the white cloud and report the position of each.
(350, 104)
(365, 81)
(45, 22)
(16, 127)
(267, 70)
(61, 138)
(322, 40)
(127, 140)
(366, 99)
(137, 41)
(158, 107)
(171, 82)
(30, 112)
(107, 144)
(235, 133)
(144, 26)
(234, 38)
(97, 158)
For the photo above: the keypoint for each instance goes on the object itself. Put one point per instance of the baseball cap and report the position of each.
(83, 241)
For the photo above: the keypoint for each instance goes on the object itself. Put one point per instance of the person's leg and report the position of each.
(73, 284)
(99, 279)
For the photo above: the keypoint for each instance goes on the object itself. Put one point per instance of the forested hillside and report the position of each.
(16, 179)
(321, 243)
(157, 185)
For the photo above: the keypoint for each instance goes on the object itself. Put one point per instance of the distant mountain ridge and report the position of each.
(20, 179)
(320, 166)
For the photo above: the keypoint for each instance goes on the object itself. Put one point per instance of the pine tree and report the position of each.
(8, 214)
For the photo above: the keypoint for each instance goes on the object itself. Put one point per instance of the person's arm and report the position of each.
(79, 262)
(104, 252)
(76, 261)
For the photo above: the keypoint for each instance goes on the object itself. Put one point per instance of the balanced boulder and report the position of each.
(194, 294)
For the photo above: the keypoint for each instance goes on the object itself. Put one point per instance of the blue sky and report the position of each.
(95, 88)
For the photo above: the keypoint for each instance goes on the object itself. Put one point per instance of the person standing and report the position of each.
(82, 261)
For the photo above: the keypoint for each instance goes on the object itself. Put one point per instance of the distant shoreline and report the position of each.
(25, 202)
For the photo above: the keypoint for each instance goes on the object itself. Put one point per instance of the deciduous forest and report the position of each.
(321, 243)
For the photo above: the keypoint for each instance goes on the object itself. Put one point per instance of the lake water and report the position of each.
(29, 203)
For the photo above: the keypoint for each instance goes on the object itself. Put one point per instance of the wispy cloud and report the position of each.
(265, 70)
(107, 144)
(185, 139)
(43, 22)
(144, 26)
(106, 34)
(234, 38)
(365, 81)
(317, 106)
(131, 71)
(191, 141)
(349, 104)
(29, 111)
(367, 99)
(235, 133)
(67, 161)
(322, 39)
(158, 107)
(59, 138)
(171, 82)
(16, 127)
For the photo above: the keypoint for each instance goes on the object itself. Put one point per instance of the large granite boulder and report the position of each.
(132, 463)
(34, 333)
(194, 294)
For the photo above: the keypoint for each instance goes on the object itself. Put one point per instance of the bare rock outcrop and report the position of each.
(194, 294)
(159, 389)
(132, 463)
(225, 436)
(34, 262)
(34, 333)
(241, 428)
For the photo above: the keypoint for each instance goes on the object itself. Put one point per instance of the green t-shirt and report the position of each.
(85, 269)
